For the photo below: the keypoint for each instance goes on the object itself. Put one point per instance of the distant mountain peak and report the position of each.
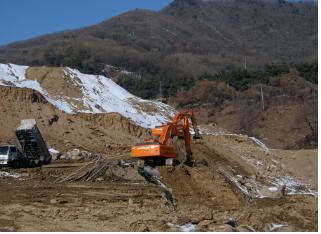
(184, 3)
(188, 38)
(190, 2)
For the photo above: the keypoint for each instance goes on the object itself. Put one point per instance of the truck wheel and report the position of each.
(15, 164)
(48, 161)
(32, 164)
(38, 163)
(23, 163)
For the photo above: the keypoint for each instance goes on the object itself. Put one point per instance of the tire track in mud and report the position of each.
(153, 176)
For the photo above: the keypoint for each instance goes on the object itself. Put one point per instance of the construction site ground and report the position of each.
(39, 199)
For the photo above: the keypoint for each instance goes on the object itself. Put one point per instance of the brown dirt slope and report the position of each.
(57, 84)
(92, 132)
(288, 121)
(302, 163)
(205, 188)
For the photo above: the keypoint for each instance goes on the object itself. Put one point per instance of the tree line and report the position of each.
(151, 73)
(147, 86)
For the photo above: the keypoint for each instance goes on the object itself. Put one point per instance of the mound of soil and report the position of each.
(204, 195)
(301, 163)
(57, 83)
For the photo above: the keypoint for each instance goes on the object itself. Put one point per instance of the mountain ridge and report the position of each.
(207, 36)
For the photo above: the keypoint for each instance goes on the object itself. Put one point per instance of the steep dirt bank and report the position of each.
(289, 119)
(91, 132)
(74, 92)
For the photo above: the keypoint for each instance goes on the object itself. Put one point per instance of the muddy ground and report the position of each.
(122, 200)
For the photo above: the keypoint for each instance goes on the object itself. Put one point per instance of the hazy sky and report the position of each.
(22, 19)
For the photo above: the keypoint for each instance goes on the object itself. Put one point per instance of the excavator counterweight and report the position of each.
(146, 150)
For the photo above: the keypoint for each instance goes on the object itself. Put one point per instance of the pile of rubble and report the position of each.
(75, 154)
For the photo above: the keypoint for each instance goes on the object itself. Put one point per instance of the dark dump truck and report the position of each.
(32, 144)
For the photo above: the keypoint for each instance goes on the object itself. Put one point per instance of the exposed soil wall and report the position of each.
(90, 132)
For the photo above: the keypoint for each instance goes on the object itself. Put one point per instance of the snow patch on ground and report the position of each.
(273, 189)
(187, 227)
(53, 151)
(277, 180)
(7, 174)
(293, 186)
(261, 144)
(276, 226)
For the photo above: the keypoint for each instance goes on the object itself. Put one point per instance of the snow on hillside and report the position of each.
(99, 94)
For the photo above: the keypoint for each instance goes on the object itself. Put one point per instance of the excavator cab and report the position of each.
(161, 151)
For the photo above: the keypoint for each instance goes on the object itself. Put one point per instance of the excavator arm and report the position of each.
(187, 139)
(188, 115)
(165, 134)
(197, 135)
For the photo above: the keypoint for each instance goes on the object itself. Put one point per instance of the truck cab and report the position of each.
(10, 155)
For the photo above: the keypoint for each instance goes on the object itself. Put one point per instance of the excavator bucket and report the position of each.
(189, 163)
(197, 139)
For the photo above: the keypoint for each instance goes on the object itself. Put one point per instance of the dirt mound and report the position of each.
(289, 118)
(93, 132)
(205, 194)
(57, 83)
(301, 163)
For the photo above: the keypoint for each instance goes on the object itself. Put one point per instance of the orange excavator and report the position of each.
(160, 151)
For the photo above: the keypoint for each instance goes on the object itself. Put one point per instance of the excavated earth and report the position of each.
(35, 199)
